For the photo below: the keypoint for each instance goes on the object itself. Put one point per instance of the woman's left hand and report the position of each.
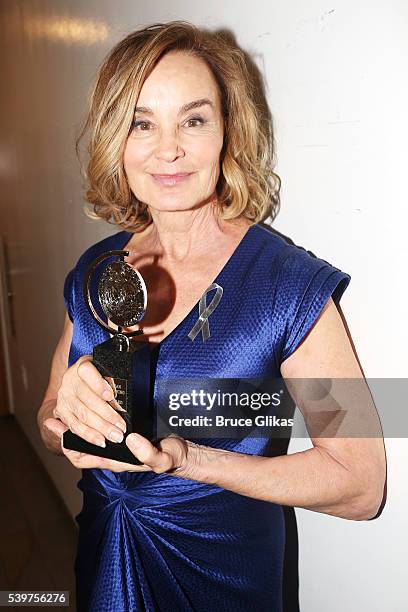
(170, 454)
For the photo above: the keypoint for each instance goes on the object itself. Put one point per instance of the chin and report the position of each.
(173, 203)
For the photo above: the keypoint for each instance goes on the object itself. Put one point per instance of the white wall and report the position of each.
(337, 88)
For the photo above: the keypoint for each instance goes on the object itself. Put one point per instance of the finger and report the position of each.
(120, 466)
(114, 402)
(78, 427)
(86, 461)
(56, 426)
(99, 415)
(111, 382)
(82, 460)
(87, 372)
(160, 461)
(95, 391)
(116, 406)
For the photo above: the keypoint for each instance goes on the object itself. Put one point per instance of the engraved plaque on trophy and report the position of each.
(122, 295)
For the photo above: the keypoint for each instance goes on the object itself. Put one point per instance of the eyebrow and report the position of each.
(185, 108)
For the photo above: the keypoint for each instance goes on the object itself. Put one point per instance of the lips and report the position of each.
(171, 179)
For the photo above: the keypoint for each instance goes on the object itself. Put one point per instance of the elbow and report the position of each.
(370, 504)
(370, 487)
(377, 491)
(375, 508)
(364, 491)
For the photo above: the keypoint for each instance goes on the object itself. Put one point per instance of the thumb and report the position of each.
(56, 426)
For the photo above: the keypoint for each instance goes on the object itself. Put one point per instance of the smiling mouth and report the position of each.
(171, 179)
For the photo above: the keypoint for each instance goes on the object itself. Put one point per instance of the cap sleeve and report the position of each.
(69, 293)
(306, 283)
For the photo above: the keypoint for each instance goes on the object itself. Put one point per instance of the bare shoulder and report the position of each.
(327, 351)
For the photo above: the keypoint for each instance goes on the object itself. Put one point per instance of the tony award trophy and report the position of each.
(123, 297)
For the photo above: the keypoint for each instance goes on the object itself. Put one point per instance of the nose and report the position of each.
(168, 146)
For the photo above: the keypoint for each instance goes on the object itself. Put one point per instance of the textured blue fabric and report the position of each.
(159, 542)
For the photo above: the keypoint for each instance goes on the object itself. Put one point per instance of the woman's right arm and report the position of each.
(58, 367)
(77, 399)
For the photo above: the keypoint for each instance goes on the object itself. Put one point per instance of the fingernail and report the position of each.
(102, 444)
(135, 440)
(115, 436)
(121, 426)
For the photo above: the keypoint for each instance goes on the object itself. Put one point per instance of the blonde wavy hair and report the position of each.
(247, 185)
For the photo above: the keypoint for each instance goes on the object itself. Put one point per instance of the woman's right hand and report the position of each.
(82, 405)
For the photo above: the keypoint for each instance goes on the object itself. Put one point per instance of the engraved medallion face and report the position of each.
(122, 294)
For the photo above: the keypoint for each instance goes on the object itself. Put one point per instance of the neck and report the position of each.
(178, 235)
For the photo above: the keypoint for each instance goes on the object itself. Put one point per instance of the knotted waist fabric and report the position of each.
(150, 543)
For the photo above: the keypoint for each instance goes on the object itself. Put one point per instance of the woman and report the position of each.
(181, 160)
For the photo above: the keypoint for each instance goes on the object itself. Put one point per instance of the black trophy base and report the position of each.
(114, 450)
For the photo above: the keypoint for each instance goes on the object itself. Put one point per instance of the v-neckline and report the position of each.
(217, 279)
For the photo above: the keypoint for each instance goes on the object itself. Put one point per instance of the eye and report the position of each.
(198, 119)
(143, 125)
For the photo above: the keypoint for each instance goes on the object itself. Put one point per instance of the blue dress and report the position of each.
(160, 542)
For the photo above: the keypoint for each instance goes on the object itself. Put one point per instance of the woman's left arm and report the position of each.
(340, 476)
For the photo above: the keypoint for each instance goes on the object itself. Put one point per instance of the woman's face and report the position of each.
(171, 135)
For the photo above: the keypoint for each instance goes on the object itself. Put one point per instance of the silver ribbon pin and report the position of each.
(205, 311)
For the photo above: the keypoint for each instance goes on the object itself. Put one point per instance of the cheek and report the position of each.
(136, 154)
(207, 151)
